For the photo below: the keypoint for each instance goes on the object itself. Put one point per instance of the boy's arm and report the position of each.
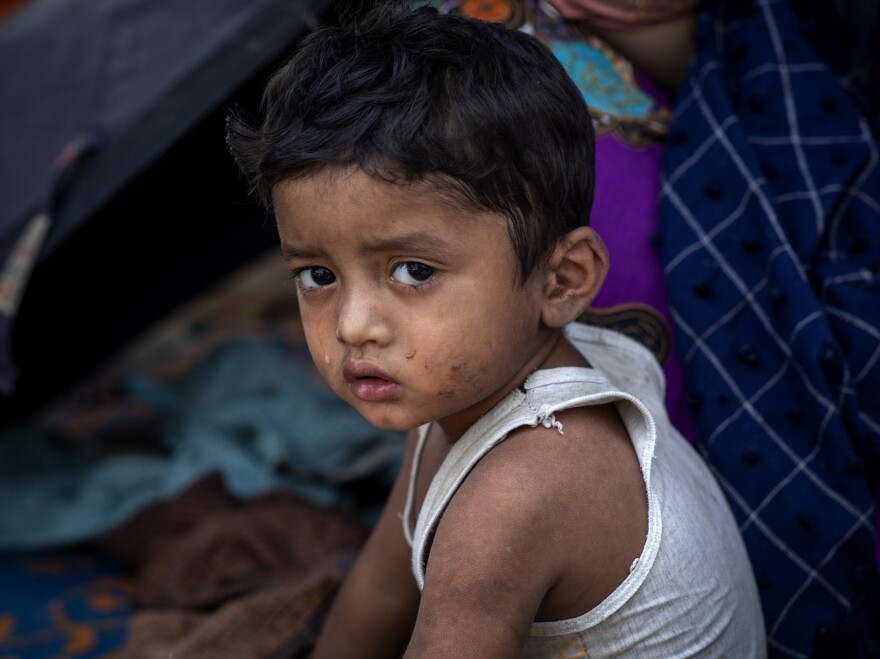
(374, 612)
(496, 553)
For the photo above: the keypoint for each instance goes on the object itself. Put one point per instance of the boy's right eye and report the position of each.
(315, 277)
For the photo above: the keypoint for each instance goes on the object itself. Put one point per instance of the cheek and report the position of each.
(463, 376)
(460, 374)
(322, 347)
(483, 356)
(322, 359)
(487, 342)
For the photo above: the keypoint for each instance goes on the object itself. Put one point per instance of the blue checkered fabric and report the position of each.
(770, 215)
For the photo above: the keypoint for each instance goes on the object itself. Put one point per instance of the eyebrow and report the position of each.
(418, 241)
(296, 251)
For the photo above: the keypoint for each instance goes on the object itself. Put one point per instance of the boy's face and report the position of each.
(412, 310)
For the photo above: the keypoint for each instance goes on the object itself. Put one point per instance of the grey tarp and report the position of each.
(104, 88)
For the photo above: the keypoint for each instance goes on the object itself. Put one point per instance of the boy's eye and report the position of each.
(315, 277)
(413, 273)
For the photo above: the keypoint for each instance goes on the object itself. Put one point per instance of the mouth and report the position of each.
(368, 382)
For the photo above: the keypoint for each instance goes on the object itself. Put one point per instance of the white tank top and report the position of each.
(691, 592)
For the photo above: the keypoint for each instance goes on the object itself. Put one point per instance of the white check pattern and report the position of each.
(770, 212)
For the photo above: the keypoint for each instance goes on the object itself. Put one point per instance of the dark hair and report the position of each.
(485, 114)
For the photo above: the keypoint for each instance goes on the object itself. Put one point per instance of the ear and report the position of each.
(573, 276)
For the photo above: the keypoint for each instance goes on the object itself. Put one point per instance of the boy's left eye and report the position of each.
(413, 273)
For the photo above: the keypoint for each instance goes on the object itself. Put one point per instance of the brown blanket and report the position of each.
(220, 578)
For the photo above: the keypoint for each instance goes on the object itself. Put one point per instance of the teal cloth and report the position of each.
(248, 413)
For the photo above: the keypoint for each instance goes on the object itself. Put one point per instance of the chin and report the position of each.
(389, 422)
(385, 424)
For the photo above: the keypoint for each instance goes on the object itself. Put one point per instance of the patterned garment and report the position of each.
(65, 602)
(770, 213)
(631, 118)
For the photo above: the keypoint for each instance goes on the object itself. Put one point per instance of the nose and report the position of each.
(361, 318)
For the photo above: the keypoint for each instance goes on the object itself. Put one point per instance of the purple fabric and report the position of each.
(625, 215)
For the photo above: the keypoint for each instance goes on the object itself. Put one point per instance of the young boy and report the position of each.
(431, 177)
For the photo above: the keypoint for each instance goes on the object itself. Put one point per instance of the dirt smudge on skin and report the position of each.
(458, 373)
(461, 373)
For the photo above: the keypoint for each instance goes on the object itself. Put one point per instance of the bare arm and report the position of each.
(490, 566)
(544, 527)
(374, 613)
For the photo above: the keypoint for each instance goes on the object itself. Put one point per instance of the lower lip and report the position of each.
(374, 390)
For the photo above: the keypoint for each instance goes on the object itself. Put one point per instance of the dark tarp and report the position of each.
(112, 125)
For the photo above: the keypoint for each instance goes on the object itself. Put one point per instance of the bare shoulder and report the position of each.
(565, 513)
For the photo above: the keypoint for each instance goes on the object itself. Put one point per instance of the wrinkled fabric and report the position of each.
(770, 214)
(214, 577)
(247, 413)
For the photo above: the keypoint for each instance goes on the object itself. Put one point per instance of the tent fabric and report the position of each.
(103, 87)
(119, 68)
